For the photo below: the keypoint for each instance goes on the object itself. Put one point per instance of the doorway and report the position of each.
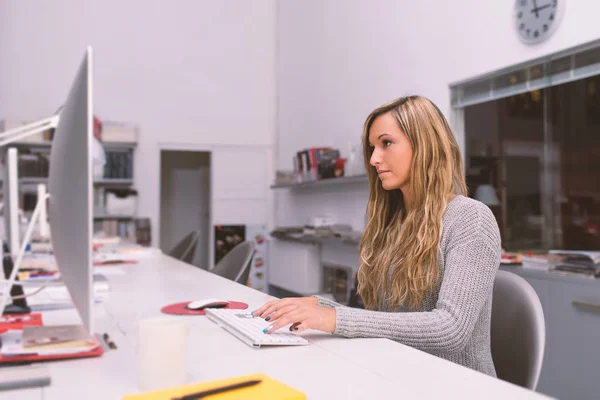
(185, 200)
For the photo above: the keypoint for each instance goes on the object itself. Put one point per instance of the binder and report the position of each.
(267, 389)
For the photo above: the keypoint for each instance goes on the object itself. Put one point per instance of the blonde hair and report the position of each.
(405, 238)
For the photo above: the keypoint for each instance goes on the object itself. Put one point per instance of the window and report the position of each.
(534, 158)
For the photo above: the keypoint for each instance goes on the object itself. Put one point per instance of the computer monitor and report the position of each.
(70, 186)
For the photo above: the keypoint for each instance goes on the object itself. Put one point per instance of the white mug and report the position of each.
(162, 344)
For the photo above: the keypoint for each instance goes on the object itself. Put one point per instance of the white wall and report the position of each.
(340, 59)
(190, 73)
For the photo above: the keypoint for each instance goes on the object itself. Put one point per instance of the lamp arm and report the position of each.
(28, 130)
(13, 276)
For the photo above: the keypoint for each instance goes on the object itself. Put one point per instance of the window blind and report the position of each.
(566, 66)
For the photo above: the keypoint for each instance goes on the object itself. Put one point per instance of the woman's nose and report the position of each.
(375, 159)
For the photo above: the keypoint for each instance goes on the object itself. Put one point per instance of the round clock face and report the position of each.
(536, 20)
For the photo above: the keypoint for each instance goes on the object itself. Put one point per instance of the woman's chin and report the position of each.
(387, 185)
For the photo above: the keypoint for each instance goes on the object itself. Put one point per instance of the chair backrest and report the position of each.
(235, 265)
(518, 330)
(185, 249)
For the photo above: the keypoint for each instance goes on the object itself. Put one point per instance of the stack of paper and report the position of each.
(47, 341)
(541, 261)
(55, 293)
(585, 262)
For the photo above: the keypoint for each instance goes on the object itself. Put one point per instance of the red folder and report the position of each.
(18, 321)
(95, 352)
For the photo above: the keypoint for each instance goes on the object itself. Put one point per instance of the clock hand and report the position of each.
(537, 9)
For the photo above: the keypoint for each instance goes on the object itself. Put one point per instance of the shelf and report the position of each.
(43, 145)
(48, 145)
(113, 182)
(324, 182)
(113, 216)
(102, 182)
(318, 239)
(33, 179)
(119, 145)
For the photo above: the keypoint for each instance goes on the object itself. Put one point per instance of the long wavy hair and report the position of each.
(404, 238)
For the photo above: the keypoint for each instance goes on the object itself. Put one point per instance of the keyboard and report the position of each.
(249, 329)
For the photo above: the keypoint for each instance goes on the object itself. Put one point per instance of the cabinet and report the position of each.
(572, 312)
(298, 267)
(573, 330)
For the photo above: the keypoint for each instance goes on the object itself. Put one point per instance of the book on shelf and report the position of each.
(315, 163)
(118, 132)
(119, 164)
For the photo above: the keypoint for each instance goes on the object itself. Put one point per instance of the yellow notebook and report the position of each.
(267, 389)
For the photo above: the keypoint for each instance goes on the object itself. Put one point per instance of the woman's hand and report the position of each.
(303, 313)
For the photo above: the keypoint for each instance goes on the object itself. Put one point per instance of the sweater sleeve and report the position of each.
(467, 283)
(325, 302)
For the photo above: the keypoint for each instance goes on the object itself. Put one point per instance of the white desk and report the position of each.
(330, 367)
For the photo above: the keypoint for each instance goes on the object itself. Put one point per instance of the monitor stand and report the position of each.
(18, 306)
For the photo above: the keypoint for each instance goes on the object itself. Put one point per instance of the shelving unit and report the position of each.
(34, 167)
(315, 256)
(346, 180)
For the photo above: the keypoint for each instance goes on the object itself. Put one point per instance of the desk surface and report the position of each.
(330, 367)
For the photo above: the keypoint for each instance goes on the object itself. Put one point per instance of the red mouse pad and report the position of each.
(180, 308)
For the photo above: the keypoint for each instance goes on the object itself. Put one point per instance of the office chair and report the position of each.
(235, 265)
(518, 330)
(185, 249)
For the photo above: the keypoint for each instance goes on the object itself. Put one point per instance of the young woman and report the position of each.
(429, 254)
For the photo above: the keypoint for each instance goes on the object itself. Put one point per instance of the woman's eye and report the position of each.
(386, 143)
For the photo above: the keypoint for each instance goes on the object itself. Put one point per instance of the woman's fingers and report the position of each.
(269, 307)
(273, 306)
(291, 317)
(294, 326)
(259, 311)
(297, 316)
(278, 313)
(299, 327)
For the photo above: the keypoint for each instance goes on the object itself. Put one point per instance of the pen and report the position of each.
(109, 341)
(200, 395)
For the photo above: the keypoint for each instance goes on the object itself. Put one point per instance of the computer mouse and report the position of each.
(206, 303)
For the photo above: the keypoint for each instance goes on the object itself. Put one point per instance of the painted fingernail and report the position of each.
(268, 318)
(265, 330)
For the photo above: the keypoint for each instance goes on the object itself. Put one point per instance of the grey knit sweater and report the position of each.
(455, 321)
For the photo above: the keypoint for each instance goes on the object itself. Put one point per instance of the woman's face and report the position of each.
(392, 153)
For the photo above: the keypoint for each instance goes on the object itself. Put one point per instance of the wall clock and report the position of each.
(537, 20)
